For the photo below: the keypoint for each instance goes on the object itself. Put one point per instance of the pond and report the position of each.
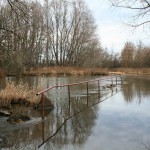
(117, 119)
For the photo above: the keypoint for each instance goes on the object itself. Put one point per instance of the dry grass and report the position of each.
(18, 94)
(76, 71)
(133, 70)
(69, 71)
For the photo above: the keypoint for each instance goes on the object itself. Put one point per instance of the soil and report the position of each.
(20, 112)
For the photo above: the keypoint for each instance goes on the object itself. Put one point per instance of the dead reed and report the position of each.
(78, 71)
(18, 94)
(138, 71)
(69, 71)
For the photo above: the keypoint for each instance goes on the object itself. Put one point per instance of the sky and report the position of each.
(113, 30)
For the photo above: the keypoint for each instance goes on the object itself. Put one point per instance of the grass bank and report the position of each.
(20, 94)
(76, 71)
(68, 71)
(138, 71)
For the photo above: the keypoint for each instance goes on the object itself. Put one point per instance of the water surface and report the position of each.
(120, 122)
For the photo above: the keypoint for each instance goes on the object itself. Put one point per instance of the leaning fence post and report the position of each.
(42, 106)
(99, 88)
(69, 94)
(121, 79)
(111, 80)
(43, 126)
(116, 80)
(87, 92)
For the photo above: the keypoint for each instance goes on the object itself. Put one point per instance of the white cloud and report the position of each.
(111, 30)
(112, 37)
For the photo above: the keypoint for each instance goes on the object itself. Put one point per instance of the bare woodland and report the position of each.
(58, 33)
(135, 55)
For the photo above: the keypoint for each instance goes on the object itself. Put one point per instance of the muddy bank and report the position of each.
(20, 112)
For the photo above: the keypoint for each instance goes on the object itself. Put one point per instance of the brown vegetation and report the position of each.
(18, 94)
(59, 32)
(72, 71)
(76, 71)
(132, 70)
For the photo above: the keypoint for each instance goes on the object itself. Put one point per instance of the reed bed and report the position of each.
(20, 94)
(78, 71)
(69, 71)
(137, 71)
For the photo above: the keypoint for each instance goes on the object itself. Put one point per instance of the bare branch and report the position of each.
(128, 7)
(137, 25)
(142, 13)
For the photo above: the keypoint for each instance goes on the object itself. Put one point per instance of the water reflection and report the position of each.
(76, 119)
(74, 129)
(136, 89)
(82, 123)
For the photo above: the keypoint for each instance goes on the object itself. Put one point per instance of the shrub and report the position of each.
(18, 94)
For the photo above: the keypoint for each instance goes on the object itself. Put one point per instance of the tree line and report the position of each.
(135, 55)
(56, 33)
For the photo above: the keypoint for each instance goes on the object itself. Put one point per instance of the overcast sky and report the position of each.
(112, 29)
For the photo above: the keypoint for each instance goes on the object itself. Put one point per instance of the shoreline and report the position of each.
(76, 71)
(66, 71)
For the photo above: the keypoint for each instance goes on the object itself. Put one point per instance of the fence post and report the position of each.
(43, 135)
(69, 94)
(121, 79)
(111, 80)
(99, 88)
(116, 81)
(87, 93)
(42, 106)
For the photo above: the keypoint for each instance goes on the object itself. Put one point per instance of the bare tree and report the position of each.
(140, 7)
(17, 8)
(71, 31)
(138, 59)
(127, 55)
(20, 36)
(59, 32)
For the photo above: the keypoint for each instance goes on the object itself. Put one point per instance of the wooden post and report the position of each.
(69, 97)
(99, 89)
(111, 80)
(69, 92)
(42, 106)
(121, 79)
(116, 90)
(87, 93)
(116, 80)
(43, 126)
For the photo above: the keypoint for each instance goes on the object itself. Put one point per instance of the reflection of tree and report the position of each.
(20, 139)
(145, 145)
(74, 128)
(128, 92)
(136, 88)
(66, 124)
(82, 125)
